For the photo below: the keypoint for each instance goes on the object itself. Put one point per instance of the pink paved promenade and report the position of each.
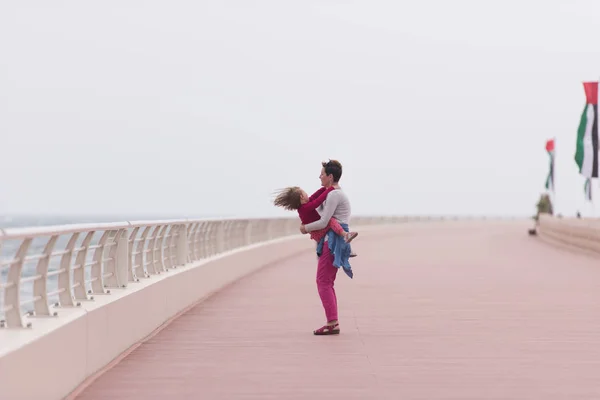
(464, 310)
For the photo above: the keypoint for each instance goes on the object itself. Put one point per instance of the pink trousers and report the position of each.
(326, 274)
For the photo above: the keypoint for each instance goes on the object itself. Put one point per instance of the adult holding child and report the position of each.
(332, 249)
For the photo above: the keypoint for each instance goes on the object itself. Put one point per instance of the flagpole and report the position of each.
(549, 193)
(553, 192)
(592, 200)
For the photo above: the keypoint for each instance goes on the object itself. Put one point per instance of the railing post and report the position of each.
(131, 274)
(248, 232)
(159, 248)
(182, 245)
(111, 264)
(191, 242)
(151, 258)
(96, 270)
(123, 258)
(40, 286)
(221, 237)
(79, 273)
(65, 297)
(12, 297)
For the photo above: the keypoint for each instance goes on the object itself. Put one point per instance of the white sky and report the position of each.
(205, 107)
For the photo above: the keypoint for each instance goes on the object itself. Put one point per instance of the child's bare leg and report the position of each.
(337, 228)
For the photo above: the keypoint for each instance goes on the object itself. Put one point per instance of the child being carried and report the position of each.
(294, 198)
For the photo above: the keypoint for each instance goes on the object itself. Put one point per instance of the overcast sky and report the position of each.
(206, 107)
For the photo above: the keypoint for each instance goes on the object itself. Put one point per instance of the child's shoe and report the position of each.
(350, 236)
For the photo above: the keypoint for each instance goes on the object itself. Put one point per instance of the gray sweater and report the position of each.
(336, 205)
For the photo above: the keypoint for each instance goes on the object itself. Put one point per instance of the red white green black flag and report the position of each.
(586, 153)
(550, 177)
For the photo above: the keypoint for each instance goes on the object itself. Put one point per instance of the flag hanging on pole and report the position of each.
(586, 153)
(550, 177)
(588, 189)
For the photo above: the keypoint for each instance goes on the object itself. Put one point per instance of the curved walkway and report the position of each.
(462, 310)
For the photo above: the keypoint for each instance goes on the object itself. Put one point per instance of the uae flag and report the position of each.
(586, 154)
(588, 189)
(550, 178)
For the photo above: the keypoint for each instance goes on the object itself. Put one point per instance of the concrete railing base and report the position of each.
(63, 353)
(577, 235)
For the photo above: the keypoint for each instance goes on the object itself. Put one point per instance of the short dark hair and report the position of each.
(289, 198)
(333, 167)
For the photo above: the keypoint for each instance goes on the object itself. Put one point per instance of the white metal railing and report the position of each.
(45, 268)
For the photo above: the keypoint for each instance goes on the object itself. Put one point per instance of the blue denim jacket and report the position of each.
(339, 248)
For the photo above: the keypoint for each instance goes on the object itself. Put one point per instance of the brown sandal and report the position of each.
(328, 330)
(350, 236)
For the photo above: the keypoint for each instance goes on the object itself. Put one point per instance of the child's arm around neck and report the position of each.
(317, 193)
(314, 203)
